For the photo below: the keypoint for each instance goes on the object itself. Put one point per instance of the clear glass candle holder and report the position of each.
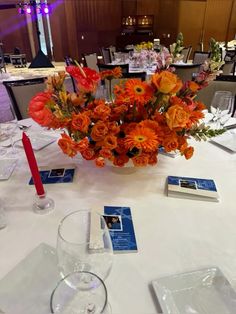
(43, 204)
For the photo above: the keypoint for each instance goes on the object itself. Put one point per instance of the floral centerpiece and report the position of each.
(141, 118)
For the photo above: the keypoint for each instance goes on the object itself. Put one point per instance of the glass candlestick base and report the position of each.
(43, 204)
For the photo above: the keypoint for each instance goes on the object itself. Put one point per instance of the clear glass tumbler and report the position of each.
(84, 244)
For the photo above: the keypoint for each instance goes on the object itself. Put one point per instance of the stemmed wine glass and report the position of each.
(84, 246)
(222, 107)
(8, 126)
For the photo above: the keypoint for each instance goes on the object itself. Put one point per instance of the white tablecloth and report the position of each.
(173, 235)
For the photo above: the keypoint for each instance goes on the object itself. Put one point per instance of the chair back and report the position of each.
(2, 61)
(186, 53)
(200, 56)
(186, 72)
(136, 75)
(90, 61)
(106, 54)
(124, 67)
(20, 93)
(222, 83)
(112, 50)
(228, 68)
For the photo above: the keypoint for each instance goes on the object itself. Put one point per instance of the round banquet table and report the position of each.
(173, 235)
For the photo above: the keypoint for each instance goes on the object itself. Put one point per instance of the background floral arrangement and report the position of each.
(141, 118)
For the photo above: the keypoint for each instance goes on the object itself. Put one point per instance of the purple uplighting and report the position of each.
(46, 10)
(28, 10)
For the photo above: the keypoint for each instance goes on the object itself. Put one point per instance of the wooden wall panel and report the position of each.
(232, 23)
(217, 15)
(150, 7)
(14, 32)
(191, 18)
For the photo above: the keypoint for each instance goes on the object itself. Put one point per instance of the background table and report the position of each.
(173, 235)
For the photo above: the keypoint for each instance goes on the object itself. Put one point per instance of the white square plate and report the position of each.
(39, 141)
(204, 291)
(6, 168)
(28, 287)
(226, 141)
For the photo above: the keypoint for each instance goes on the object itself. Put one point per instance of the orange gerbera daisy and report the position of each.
(142, 138)
(138, 91)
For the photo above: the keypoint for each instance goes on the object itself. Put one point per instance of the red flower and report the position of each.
(86, 78)
(38, 110)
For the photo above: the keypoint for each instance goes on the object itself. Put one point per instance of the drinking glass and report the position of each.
(222, 108)
(84, 244)
(8, 126)
(80, 292)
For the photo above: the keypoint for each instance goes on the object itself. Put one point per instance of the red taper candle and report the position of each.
(32, 164)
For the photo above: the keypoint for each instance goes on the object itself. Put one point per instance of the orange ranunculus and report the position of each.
(141, 160)
(119, 110)
(102, 112)
(110, 141)
(188, 153)
(88, 154)
(113, 127)
(120, 160)
(80, 122)
(105, 153)
(99, 131)
(100, 162)
(152, 159)
(182, 140)
(82, 145)
(67, 145)
(170, 142)
(177, 117)
(193, 86)
(166, 82)
(38, 109)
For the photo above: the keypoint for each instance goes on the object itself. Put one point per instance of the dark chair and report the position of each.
(90, 61)
(222, 83)
(186, 72)
(124, 67)
(20, 93)
(228, 68)
(186, 53)
(200, 56)
(106, 54)
(231, 79)
(135, 75)
(2, 60)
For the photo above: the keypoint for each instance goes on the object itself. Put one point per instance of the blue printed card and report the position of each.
(194, 188)
(120, 224)
(58, 174)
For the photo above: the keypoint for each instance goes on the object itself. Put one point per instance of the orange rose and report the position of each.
(105, 153)
(102, 112)
(67, 145)
(176, 117)
(182, 144)
(170, 142)
(100, 162)
(99, 131)
(110, 141)
(188, 153)
(88, 154)
(166, 82)
(141, 160)
(38, 110)
(82, 145)
(120, 160)
(80, 122)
